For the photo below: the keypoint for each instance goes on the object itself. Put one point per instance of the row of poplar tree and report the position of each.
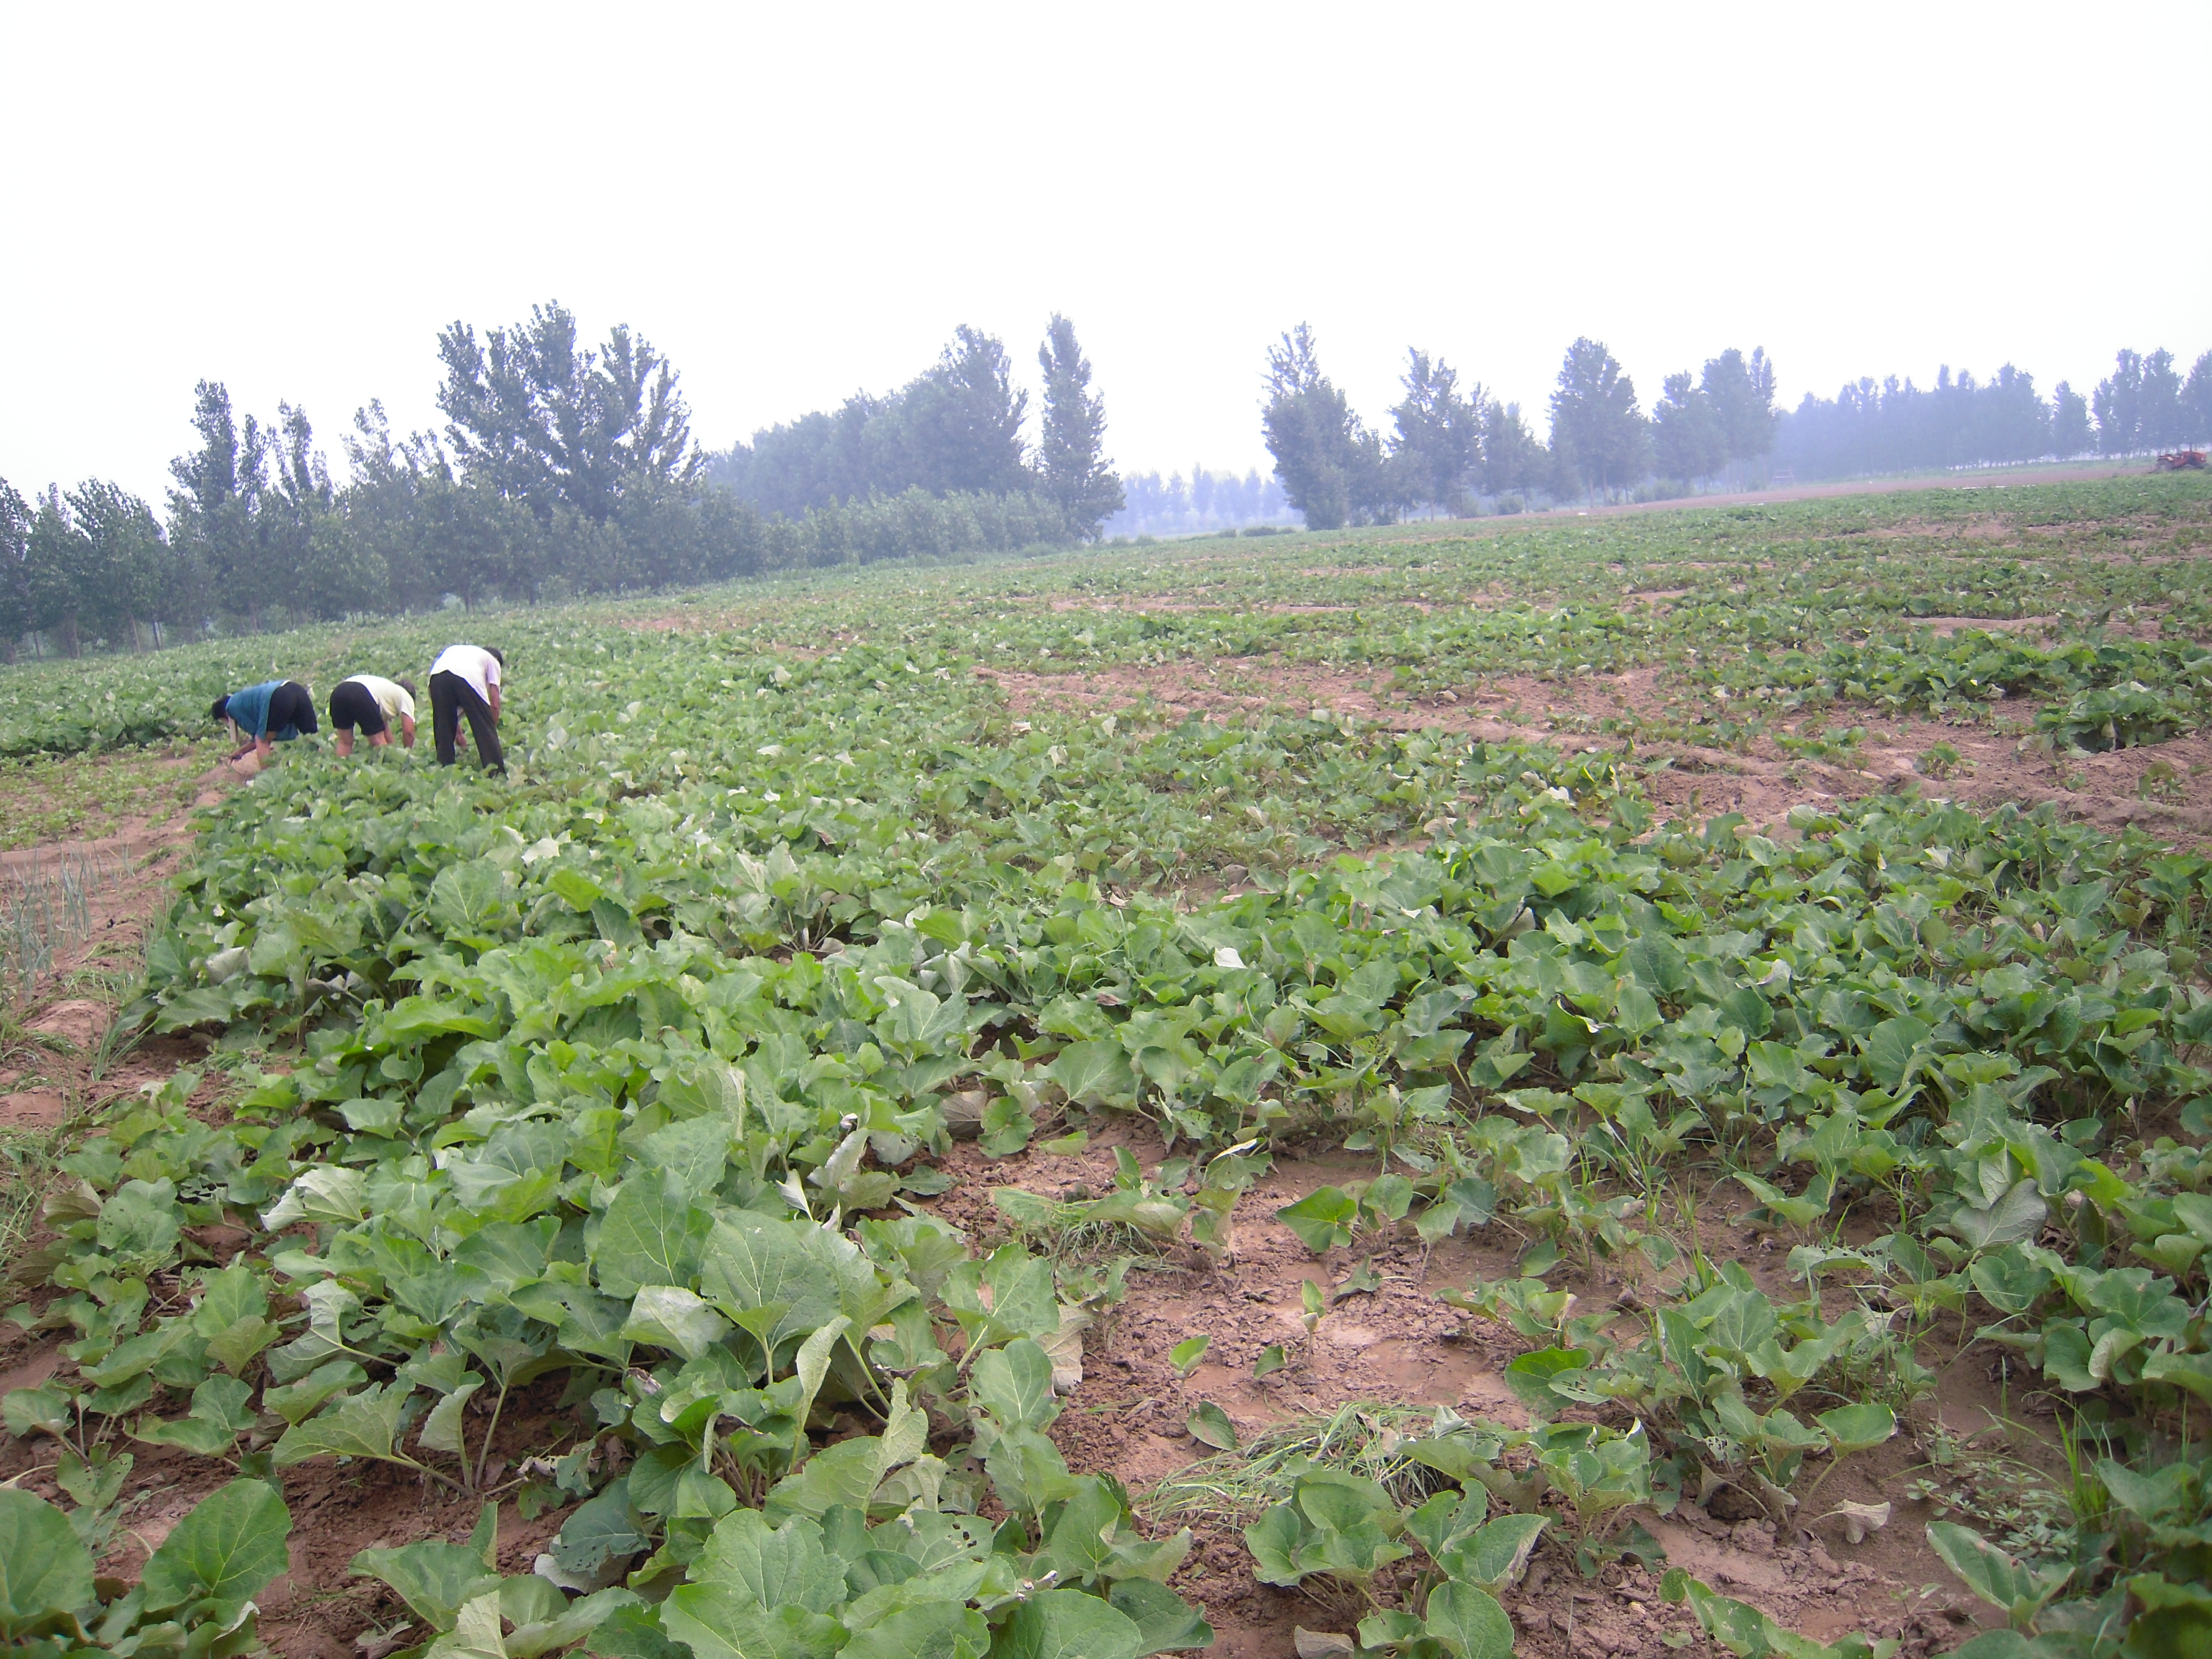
(1452, 449)
(563, 468)
(1456, 450)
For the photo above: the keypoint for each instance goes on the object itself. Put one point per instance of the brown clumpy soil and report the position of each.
(1401, 1346)
(2164, 787)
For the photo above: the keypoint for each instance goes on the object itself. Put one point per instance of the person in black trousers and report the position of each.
(465, 680)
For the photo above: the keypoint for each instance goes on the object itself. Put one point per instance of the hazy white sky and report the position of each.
(794, 202)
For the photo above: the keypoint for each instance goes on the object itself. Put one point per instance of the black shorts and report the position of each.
(291, 704)
(353, 704)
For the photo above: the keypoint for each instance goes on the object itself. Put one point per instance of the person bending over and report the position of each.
(375, 706)
(465, 680)
(273, 712)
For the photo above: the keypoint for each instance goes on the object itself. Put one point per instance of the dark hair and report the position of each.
(408, 686)
(498, 656)
(219, 708)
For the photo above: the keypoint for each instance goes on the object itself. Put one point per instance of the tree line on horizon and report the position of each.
(1175, 505)
(561, 469)
(1459, 450)
(565, 468)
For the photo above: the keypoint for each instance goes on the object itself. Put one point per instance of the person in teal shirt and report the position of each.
(273, 712)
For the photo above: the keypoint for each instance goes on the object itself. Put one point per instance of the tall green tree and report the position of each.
(2070, 431)
(544, 420)
(1598, 430)
(1514, 459)
(1741, 393)
(1438, 450)
(1071, 452)
(16, 516)
(121, 561)
(55, 575)
(1332, 467)
(2162, 414)
(1688, 440)
(2117, 404)
(210, 511)
(958, 427)
(2196, 402)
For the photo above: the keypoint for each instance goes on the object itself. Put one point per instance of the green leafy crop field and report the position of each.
(1137, 1100)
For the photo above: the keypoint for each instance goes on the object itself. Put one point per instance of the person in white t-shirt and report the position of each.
(375, 706)
(465, 680)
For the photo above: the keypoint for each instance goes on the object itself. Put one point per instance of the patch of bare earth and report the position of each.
(1399, 1345)
(65, 1073)
(2160, 787)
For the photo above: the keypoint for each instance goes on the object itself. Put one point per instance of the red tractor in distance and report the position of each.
(2182, 460)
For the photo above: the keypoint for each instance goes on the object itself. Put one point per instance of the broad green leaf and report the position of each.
(1531, 1375)
(323, 1194)
(476, 1632)
(234, 1293)
(1063, 1623)
(2009, 1281)
(1891, 1050)
(774, 1566)
(1271, 1358)
(2156, 1498)
(1095, 1073)
(220, 1414)
(678, 1320)
(230, 1545)
(1014, 1384)
(811, 1369)
(42, 1410)
(2017, 1216)
(1275, 1542)
(693, 1153)
(721, 1621)
(360, 1425)
(566, 1623)
(141, 1223)
(1322, 1219)
(435, 1579)
(45, 1574)
(1857, 1427)
(923, 1630)
(1165, 1622)
(1027, 1471)
(1991, 1574)
(1080, 1543)
(295, 1401)
(442, 1428)
(469, 898)
(595, 1543)
(1493, 1555)
(755, 1260)
(1469, 1622)
(652, 1234)
(192, 1434)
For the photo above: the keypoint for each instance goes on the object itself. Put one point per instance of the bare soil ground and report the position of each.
(2161, 788)
(1401, 1345)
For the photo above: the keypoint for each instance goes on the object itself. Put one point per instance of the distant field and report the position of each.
(990, 1069)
